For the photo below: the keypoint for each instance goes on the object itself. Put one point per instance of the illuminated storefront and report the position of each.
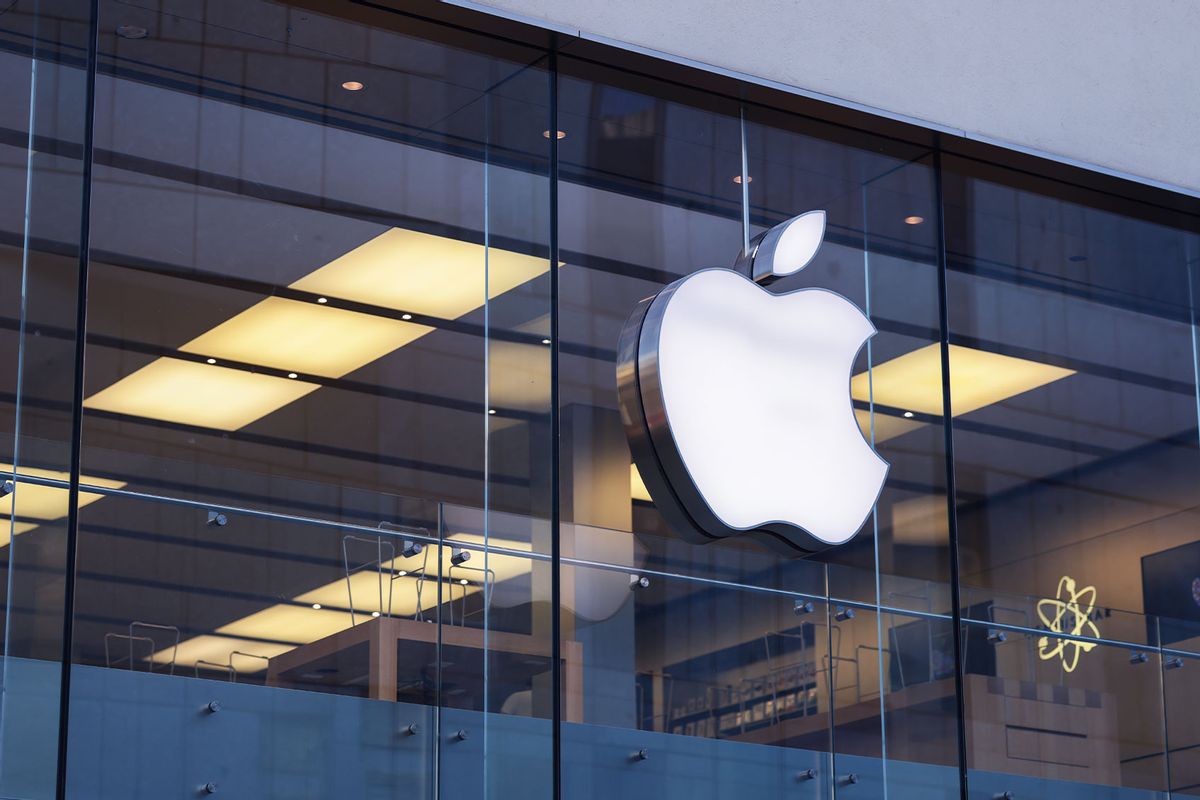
(318, 485)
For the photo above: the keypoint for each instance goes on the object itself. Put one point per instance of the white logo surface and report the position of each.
(737, 401)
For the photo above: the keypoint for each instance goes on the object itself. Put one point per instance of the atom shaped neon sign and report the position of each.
(1069, 613)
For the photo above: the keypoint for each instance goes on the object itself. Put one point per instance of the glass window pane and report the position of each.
(1077, 487)
(317, 406)
(43, 114)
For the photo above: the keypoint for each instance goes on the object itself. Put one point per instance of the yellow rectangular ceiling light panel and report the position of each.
(363, 594)
(913, 381)
(216, 651)
(9, 529)
(425, 274)
(289, 623)
(307, 338)
(502, 566)
(192, 393)
(35, 501)
(42, 503)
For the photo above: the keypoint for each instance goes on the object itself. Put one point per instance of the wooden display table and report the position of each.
(390, 653)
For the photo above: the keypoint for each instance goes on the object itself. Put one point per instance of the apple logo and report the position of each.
(736, 401)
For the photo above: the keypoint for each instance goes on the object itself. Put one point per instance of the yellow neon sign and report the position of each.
(1069, 613)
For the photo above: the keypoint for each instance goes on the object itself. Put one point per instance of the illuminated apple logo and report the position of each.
(737, 402)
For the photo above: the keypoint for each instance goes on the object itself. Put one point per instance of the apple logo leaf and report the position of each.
(798, 241)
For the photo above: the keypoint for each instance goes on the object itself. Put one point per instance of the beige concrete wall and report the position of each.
(1107, 82)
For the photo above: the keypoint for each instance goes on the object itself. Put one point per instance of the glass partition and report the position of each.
(1181, 685)
(316, 407)
(45, 48)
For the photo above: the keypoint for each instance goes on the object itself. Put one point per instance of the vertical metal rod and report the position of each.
(874, 511)
(555, 426)
(1162, 686)
(951, 507)
(745, 182)
(1190, 262)
(487, 420)
(16, 448)
(69, 568)
(831, 683)
(437, 658)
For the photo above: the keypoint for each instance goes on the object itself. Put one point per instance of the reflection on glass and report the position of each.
(316, 516)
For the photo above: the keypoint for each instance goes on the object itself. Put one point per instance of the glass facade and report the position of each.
(316, 482)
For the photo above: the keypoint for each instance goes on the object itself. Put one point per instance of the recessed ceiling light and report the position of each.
(39, 503)
(738, 179)
(406, 316)
(291, 335)
(402, 572)
(353, 86)
(908, 415)
(545, 341)
(211, 360)
(978, 378)
(293, 375)
(491, 411)
(191, 393)
(913, 220)
(131, 32)
(279, 628)
(463, 581)
(322, 300)
(557, 134)
(316, 606)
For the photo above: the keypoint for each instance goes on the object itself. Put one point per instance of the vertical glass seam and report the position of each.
(875, 509)
(745, 180)
(1162, 688)
(556, 679)
(487, 426)
(948, 434)
(89, 117)
(16, 452)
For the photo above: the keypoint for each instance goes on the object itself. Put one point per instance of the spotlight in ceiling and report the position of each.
(322, 300)
(132, 32)
(353, 86)
(913, 220)
(738, 179)
(557, 135)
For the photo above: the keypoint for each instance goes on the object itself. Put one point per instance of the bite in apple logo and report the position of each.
(736, 401)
